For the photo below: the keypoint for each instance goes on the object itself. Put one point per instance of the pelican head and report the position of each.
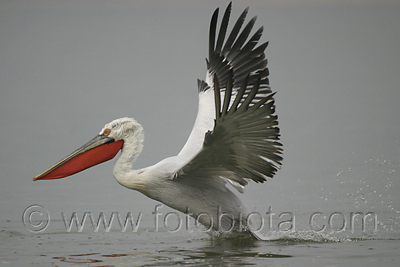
(121, 129)
(112, 138)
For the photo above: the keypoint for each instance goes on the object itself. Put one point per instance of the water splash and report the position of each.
(306, 236)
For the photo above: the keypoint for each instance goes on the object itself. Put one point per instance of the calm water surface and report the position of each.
(57, 246)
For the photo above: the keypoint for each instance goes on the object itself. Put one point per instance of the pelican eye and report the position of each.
(106, 132)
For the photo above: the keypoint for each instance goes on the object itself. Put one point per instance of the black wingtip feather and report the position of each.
(213, 29)
(223, 28)
(217, 97)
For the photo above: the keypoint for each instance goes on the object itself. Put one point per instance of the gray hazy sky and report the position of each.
(69, 67)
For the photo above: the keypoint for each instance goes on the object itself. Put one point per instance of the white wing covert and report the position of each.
(235, 135)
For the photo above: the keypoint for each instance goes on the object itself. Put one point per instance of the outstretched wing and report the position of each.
(244, 141)
(235, 138)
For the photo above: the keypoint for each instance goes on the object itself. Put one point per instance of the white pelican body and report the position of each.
(234, 138)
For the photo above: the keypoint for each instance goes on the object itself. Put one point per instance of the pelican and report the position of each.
(235, 138)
